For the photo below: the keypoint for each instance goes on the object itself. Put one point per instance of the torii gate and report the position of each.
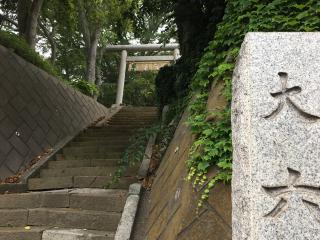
(139, 48)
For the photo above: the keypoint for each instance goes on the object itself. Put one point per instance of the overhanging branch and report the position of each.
(7, 19)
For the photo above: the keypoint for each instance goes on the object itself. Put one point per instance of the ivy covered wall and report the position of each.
(213, 129)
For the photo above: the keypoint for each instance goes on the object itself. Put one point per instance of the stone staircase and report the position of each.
(67, 198)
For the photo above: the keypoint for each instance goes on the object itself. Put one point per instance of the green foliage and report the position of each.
(85, 87)
(165, 85)
(137, 144)
(19, 46)
(155, 21)
(213, 138)
(172, 81)
(175, 110)
(104, 13)
(134, 152)
(139, 90)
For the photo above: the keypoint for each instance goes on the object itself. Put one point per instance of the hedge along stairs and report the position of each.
(69, 192)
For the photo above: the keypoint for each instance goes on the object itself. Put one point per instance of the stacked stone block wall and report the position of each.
(37, 111)
(173, 213)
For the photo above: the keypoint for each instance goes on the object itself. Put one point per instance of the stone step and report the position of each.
(136, 126)
(106, 134)
(98, 144)
(137, 113)
(13, 217)
(72, 218)
(121, 117)
(144, 109)
(50, 183)
(133, 119)
(102, 182)
(76, 234)
(139, 108)
(108, 200)
(86, 171)
(108, 139)
(88, 156)
(93, 149)
(20, 233)
(87, 199)
(60, 217)
(52, 199)
(129, 124)
(83, 163)
(79, 171)
(35, 184)
(110, 129)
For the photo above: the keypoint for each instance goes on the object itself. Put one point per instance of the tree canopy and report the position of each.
(72, 34)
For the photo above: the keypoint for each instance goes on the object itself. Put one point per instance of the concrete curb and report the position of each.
(125, 226)
(73, 234)
(143, 171)
(129, 213)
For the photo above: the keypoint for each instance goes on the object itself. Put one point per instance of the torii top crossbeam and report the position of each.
(142, 47)
(124, 49)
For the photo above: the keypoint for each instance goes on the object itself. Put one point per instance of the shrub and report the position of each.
(19, 46)
(85, 87)
(165, 82)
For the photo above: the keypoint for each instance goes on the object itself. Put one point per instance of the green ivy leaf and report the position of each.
(203, 166)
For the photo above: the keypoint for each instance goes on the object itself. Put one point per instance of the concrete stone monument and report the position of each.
(276, 137)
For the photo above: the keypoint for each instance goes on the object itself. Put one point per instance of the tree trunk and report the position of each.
(31, 30)
(50, 37)
(92, 57)
(23, 9)
(28, 14)
(91, 39)
(98, 68)
(84, 25)
(53, 53)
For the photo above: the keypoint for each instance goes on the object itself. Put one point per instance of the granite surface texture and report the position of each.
(276, 137)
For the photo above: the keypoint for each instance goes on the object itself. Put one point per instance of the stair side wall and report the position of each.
(37, 111)
(173, 201)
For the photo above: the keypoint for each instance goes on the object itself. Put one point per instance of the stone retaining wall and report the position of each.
(173, 214)
(36, 112)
